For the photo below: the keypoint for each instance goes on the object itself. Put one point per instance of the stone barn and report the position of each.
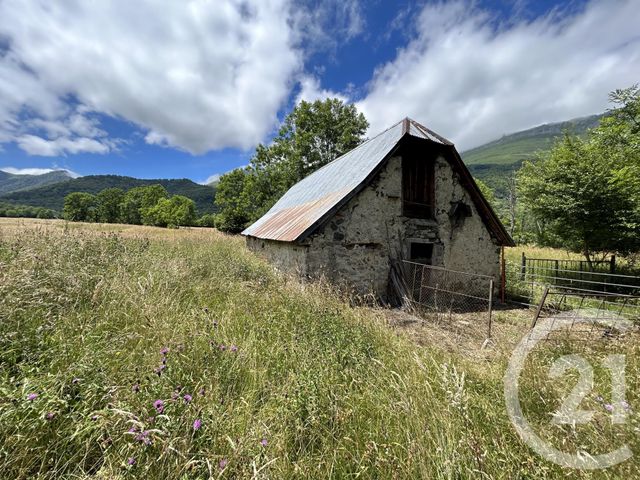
(403, 194)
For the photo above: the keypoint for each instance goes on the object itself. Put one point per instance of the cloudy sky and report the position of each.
(188, 88)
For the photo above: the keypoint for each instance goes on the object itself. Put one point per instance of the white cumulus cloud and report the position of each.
(310, 90)
(197, 75)
(472, 79)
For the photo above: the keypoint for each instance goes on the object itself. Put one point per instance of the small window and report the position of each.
(421, 252)
(417, 187)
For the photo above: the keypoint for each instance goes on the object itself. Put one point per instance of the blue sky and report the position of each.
(189, 88)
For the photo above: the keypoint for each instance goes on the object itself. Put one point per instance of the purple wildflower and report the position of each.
(625, 405)
(608, 407)
(160, 369)
(159, 406)
(164, 350)
(264, 442)
(197, 423)
(222, 347)
(223, 464)
(234, 348)
(135, 388)
(187, 398)
(32, 396)
(143, 437)
(132, 430)
(50, 415)
(131, 461)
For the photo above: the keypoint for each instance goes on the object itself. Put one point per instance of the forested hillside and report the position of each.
(52, 196)
(493, 162)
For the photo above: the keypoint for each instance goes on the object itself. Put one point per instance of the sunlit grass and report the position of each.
(281, 379)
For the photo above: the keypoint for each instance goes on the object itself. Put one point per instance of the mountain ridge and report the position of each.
(12, 182)
(52, 196)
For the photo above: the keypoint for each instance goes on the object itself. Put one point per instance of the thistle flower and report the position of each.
(164, 350)
(234, 348)
(197, 423)
(50, 415)
(159, 406)
(187, 398)
(223, 464)
(160, 369)
(264, 442)
(32, 396)
(132, 430)
(222, 347)
(608, 407)
(131, 461)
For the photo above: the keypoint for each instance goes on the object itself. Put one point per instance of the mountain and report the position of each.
(52, 196)
(10, 182)
(494, 161)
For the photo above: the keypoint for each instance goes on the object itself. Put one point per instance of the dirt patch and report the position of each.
(464, 333)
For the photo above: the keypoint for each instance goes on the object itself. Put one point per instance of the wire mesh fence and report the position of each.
(525, 282)
(440, 294)
(565, 315)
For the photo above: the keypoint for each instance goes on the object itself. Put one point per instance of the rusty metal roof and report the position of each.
(306, 204)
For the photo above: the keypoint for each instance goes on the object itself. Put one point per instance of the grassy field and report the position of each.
(136, 352)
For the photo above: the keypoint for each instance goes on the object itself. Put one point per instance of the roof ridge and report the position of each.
(429, 132)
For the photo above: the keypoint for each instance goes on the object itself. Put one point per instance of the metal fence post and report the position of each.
(540, 305)
(523, 267)
(490, 307)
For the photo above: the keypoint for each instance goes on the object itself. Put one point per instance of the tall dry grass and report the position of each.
(259, 376)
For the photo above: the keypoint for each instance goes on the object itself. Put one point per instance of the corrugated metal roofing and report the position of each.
(312, 197)
(308, 201)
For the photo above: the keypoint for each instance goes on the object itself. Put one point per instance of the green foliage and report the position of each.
(108, 203)
(79, 207)
(487, 192)
(52, 196)
(312, 135)
(586, 191)
(207, 220)
(171, 212)
(25, 211)
(233, 197)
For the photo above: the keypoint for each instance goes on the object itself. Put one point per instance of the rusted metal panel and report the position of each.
(287, 224)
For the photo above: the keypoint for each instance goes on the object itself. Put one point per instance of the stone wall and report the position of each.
(286, 257)
(354, 247)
